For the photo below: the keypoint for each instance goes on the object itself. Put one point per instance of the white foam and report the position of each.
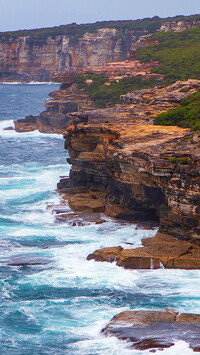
(32, 134)
(42, 83)
(11, 83)
(180, 348)
(22, 135)
(6, 123)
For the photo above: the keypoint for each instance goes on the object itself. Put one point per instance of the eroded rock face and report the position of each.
(36, 58)
(119, 151)
(57, 115)
(155, 330)
(26, 58)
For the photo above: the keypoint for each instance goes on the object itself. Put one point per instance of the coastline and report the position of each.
(80, 140)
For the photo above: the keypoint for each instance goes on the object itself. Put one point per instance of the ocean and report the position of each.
(59, 303)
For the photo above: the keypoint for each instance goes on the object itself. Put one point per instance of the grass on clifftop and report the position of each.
(108, 95)
(178, 54)
(187, 115)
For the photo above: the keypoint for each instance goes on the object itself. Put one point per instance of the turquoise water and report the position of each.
(60, 303)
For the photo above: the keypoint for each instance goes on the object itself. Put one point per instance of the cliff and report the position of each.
(36, 54)
(27, 58)
(138, 170)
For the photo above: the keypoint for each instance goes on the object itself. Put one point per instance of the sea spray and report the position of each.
(60, 305)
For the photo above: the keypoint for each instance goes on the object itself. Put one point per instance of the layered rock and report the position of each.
(56, 118)
(119, 151)
(29, 58)
(36, 56)
(155, 330)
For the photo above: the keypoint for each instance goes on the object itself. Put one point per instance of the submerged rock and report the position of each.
(27, 260)
(155, 330)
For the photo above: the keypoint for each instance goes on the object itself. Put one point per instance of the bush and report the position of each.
(177, 53)
(103, 95)
(186, 116)
(181, 161)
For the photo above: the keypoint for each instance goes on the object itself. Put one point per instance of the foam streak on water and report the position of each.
(59, 303)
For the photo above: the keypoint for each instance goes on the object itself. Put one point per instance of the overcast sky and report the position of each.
(25, 14)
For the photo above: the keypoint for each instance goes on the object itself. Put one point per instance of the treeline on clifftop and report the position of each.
(187, 115)
(75, 31)
(177, 53)
(108, 94)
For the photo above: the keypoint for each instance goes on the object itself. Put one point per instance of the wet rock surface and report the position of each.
(155, 330)
(161, 251)
(26, 260)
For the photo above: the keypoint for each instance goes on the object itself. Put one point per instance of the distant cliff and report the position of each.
(25, 58)
(36, 54)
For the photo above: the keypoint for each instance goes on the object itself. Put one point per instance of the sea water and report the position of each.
(59, 303)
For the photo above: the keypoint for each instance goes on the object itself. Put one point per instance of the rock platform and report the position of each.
(155, 330)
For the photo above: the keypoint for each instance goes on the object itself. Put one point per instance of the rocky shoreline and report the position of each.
(128, 168)
(122, 165)
(133, 168)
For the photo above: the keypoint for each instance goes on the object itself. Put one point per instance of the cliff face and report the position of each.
(144, 171)
(26, 58)
(58, 110)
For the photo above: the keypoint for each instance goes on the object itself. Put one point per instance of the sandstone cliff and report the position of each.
(142, 171)
(30, 55)
(26, 58)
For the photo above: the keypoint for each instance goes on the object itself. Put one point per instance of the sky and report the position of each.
(26, 14)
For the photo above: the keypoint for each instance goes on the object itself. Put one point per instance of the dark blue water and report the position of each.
(58, 302)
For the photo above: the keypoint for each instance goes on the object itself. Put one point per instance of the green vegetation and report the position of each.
(187, 115)
(108, 95)
(181, 161)
(147, 25)
(178, 54)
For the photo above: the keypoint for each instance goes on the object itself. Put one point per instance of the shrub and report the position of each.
(177, 53)
(181, 161)
(103, 95)
(186, 116)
